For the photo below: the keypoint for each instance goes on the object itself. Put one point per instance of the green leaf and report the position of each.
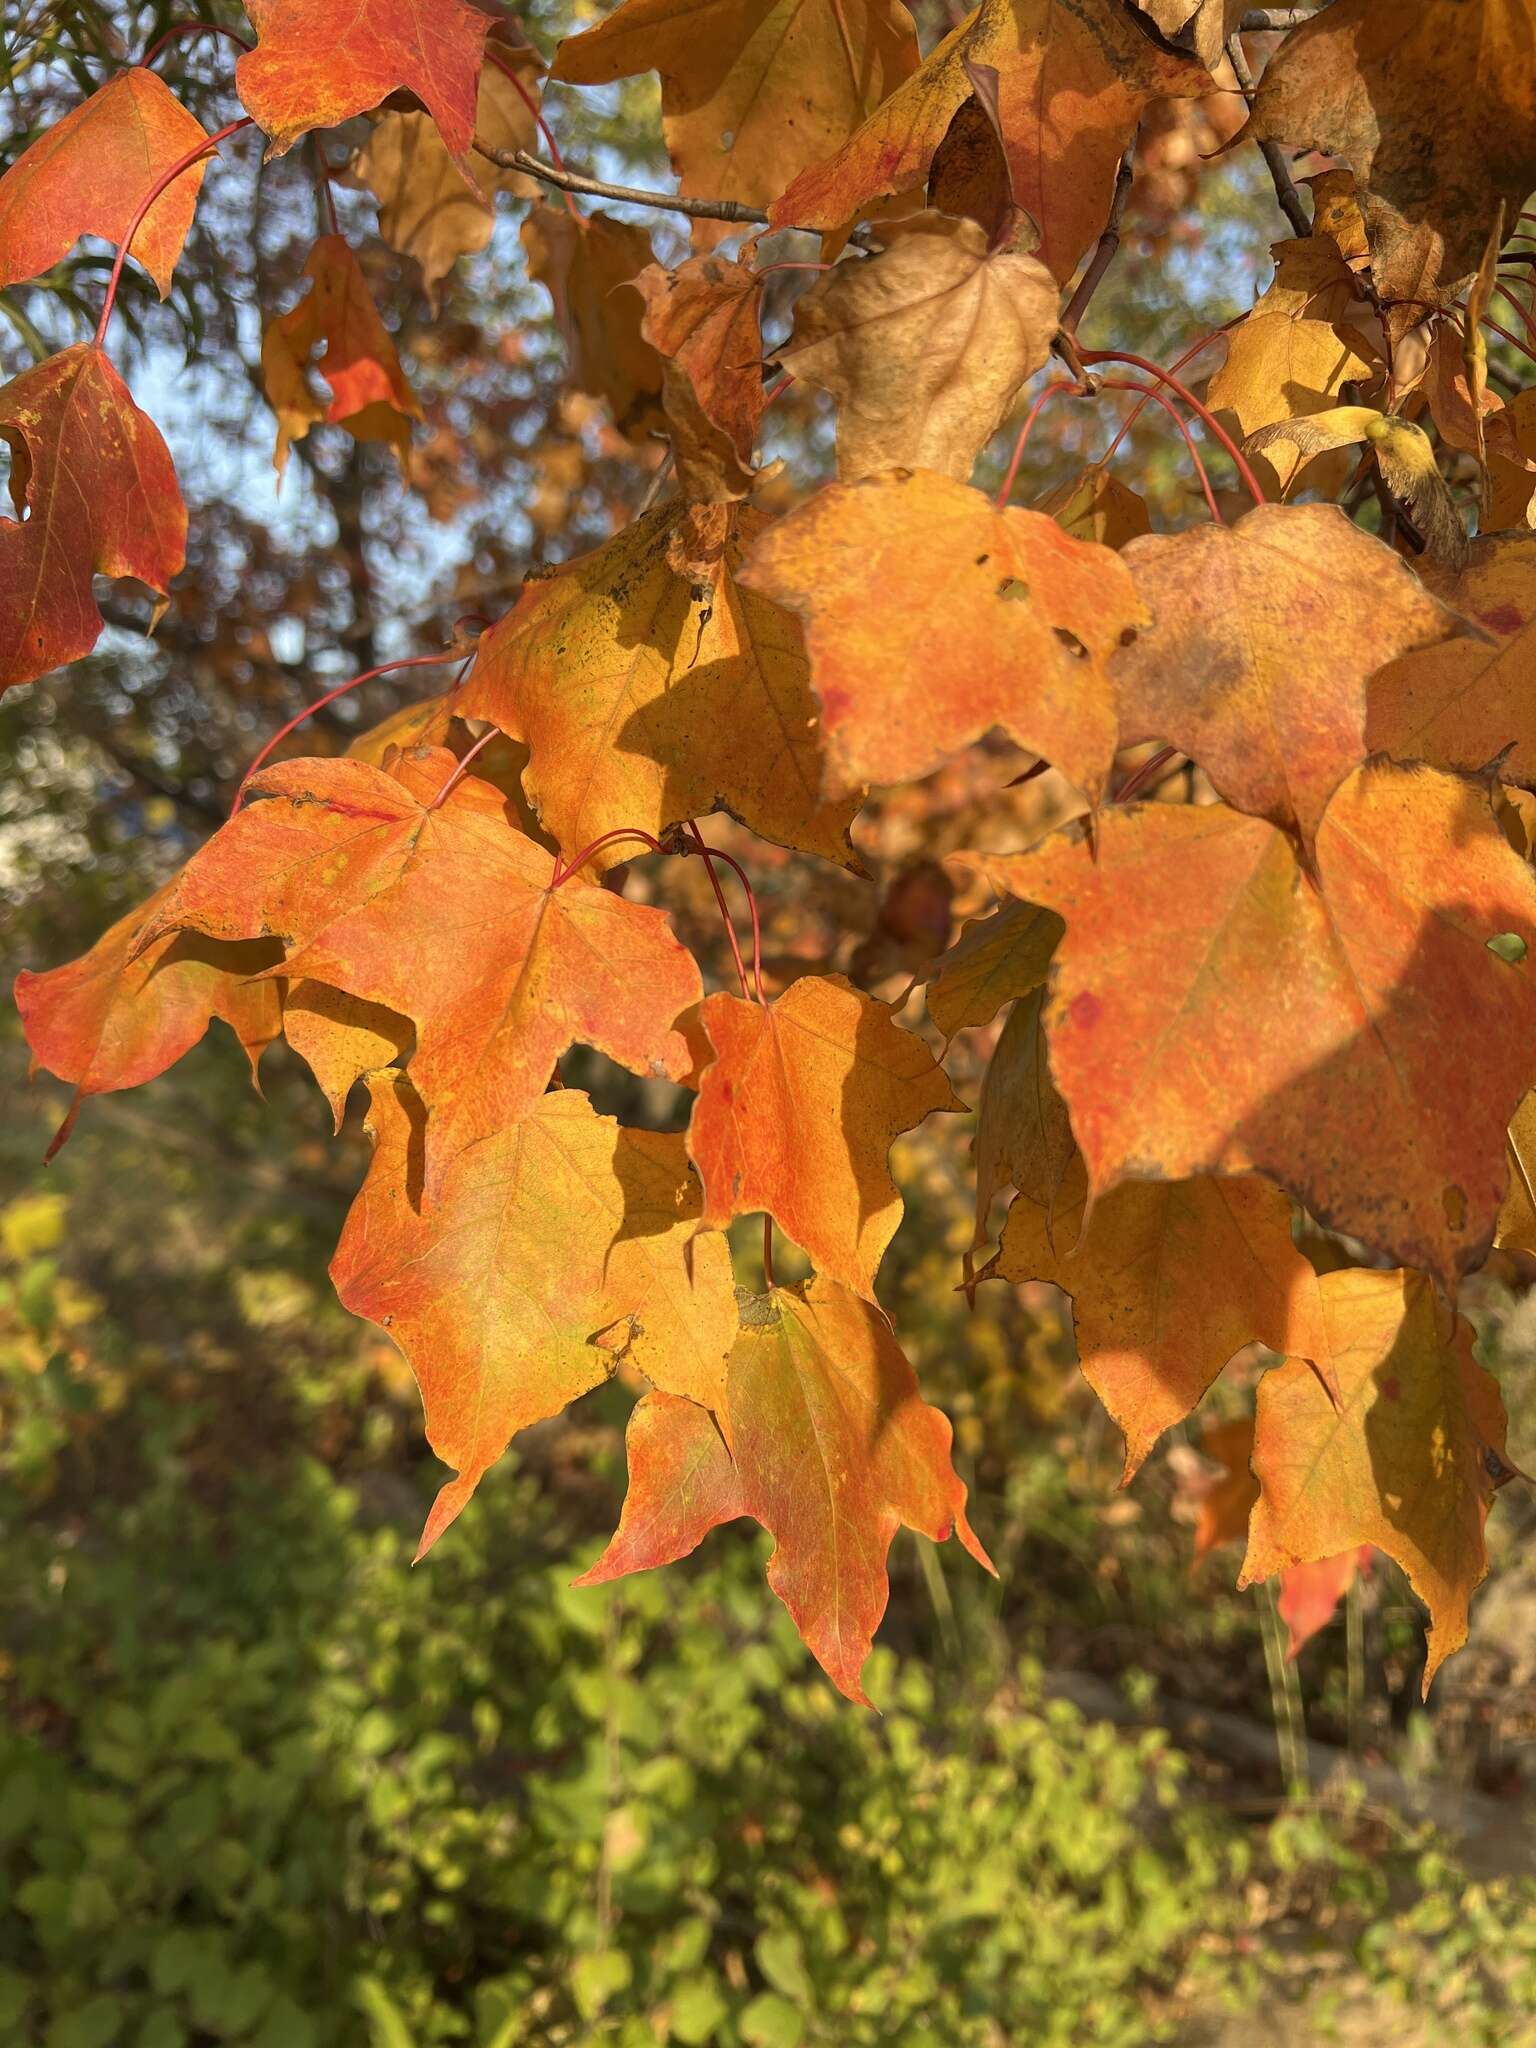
(596, 1977)
(771, 2022)
(782, 1961)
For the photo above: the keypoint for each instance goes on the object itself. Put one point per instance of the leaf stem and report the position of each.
(563, 872)
(1514, 341)
(1140, 777)
(710, 854)
(168, 177)
(1117, 355)
(1057, 384)
(384, 668)
(323, 174)
(769, 1283)
(1150, 391)
(191, 28)
(1188, 356)
(461, 767)
(509, 73)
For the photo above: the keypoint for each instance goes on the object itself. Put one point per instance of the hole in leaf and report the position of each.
(1070, 641)
(1509, 946)
(1013, 590)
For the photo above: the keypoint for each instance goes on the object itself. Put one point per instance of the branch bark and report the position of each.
(598, 188)
(1290, 199)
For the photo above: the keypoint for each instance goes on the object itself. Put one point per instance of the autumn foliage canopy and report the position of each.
(1273, 984)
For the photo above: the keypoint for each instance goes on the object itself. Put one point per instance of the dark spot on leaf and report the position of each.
(1391, 1388)
(1455, 1203)
(1086, 1011)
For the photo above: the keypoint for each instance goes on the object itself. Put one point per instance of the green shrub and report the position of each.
(263, 1783)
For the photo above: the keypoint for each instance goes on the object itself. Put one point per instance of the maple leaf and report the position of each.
(581, 261)
(95, 493)
(1203, 27)
(121, 1014)
(369, 393)
(1295, 351)
(702, 320)
(995, 959)
(1433, 107)
(1225, 1498)
(1469, 702)
(833, 1449)
(1073, 78)
(1517, 1218)
(797, 1112)
(645, 698)
(925, 346)
(316, 65)
(970, 174)
(1352, 1035)
(1407, 1459)
(89, 174)
(1004, 620)
(1023, 1133)
(429, 208)
(445, 914)
(1094, 505)
(558, 1244)
(682, 1484)
(1512, 467)
(1169, 1280)
(340, 1039)
(1264, 637)
(751, 90)
(1310, 1594)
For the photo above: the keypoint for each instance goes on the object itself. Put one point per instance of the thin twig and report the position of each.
(1108, 243)
(1291, 204)
(599, 188)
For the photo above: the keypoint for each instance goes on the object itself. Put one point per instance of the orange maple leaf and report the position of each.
(1072, 80)
(316, 65)
(1408, 1458)
(446, 914)
(557, 1245)
(1215, 1008)
(95, 492)
(369, 393)
(89, 173)
(798, 1110)
(751, 90)
(646, 698)
(123, 1012)
(1004, 620)
(827, 1442)
(1169, 1280)
(1263, 639)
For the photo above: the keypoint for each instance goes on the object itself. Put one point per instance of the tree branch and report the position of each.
(598, 188)
(1285, 189)
(1108, 243)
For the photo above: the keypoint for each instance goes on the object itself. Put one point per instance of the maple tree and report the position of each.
(1270, 968)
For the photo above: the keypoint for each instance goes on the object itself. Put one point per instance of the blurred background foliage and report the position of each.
(262, 1783)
